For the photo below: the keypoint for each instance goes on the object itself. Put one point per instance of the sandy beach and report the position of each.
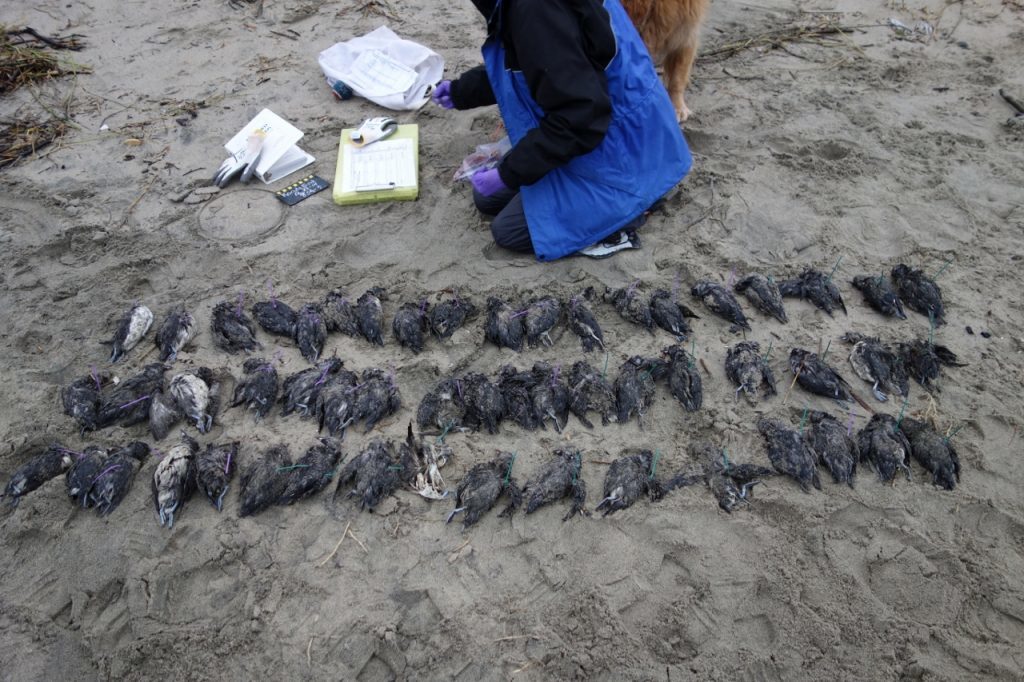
(854, 149)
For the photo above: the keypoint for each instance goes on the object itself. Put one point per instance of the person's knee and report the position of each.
(511, 235)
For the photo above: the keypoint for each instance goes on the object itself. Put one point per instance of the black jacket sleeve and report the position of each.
(472, 89)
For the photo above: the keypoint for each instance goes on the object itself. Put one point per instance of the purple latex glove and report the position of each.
(442, 95)
(487, 182)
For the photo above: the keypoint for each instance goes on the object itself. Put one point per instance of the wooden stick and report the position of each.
(351, 535)
(796, 376)
(335, 551)
(309, 660)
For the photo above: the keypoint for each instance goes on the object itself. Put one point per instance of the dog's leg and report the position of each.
(677, 72)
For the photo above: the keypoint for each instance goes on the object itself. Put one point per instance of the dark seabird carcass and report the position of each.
(132, 326)
(214, 468)
(163, 414)
(748, 369)
(377, 397)
(257, 390)
(310, 331)
(336, 401)
(730, 483)
(483, 403)
(878, 365)
(447, 316)
(81, 399)
(542, 314)
(816, 287)
(340, 314)
(583, 323)
(300, 390)
(880, 295)
(816, 376)
(127, 403)
(721, 302)
(589, 390)
(483, 484)
(410, 325)
(504, 325)
(923, 360)
(932, 451)
(442, 407)
(177, 330)
(549, 395)
(763, 293)
(557, 478)
(375, 473)
(48, 464)
(264, 481)
(275, 317)
(634, 387)
(684, 382)
(370, 316)
(195, 393)
(884, 445)
(631, 305)
(670, 314)
(174, 479)
(515, 386)
(79, 478)
(629, 478)
(790, 453)
(312, 472)
(233, 330)
(834, 445)
(919, 292)
(115, 479)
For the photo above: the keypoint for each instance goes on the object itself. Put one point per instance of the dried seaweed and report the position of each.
(19, 139)
(22, 63)
(776, 39)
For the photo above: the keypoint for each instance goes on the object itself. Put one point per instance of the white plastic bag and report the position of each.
(390, 71)
(484, 157)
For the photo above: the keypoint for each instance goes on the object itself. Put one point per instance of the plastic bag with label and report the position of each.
(484, 157)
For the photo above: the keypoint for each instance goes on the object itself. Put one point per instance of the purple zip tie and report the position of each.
(519, 313)
(241, 300)
(423, 307)
(79, 455)
(323, 376)
(137, 400)
(227, 464)
(458, 387)
(849, 425)
(95, 377)
(554, 375)
(106, 471)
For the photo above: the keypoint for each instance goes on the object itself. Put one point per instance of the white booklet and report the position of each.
(280, 155)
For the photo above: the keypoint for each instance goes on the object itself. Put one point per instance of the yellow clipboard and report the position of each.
(387, 170)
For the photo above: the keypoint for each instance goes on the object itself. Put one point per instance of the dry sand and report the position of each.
(870, 148)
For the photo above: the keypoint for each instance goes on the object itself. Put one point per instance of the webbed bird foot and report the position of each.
(452, 514)
(879, 395)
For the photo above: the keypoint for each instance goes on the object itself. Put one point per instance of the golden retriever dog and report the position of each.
(671, 31)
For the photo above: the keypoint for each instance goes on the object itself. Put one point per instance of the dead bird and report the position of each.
(370, 316)
(684, 382)
(542, 314)
(549, 395)
(634, 387)
(834, 446)
(932, 451)
(429, 458)
(447, 316)
(374, 474)
(300, 390)
(878, 365)
(86, 466)
(174, 479)
(484, 405)
(335, 403)
(790, 453)
(127, 403)
(275, 317)
(410, 325)
(670, 314)
(163, 414)
(515, 388)
(81, 399)
(377, 397)
(629, 478)
(442, 407)
(885, 447)
(730, 483)
(215, 467)
(748, 369)
(590, 390)
(631, 305)
(264, 481)
(195, 394)
(919, 292)
(177, 330)
(504, 325)
(481, 487)
(816, 376)
(232, 329)
(557, 478)
(112, 484)
(310, 331)
(923, 360)
(132, 326)
(312, 472)
(257, 390)
(763, 293)
(721, 302)
(340, 315)
(816, 287)
(583, 323)
(48, 464)
(880, 295)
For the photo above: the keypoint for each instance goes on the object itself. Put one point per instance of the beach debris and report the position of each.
(629, 478)
(631, 305)
(275, 317)
(748, 369)
(257, 390)
(86, 467)
(410, 325)
(816, 376)
(132, 326)
(233, 330)
(816, 287)
(504, 325)
(20, 138)
(559, 477)
(763, 293)
(481, 487)
(880, 295)
(81, 399)
(174, 479)
(484, 406)
(177, 330)
(163, 414)
(340, 315)
(590, 390)
(920, 293)
(336, 401)
(313, 472)
(515, 389)
(264, 481)
(920, 30)
(194, 393)
(447, 316)
(834, 446)
(310, 331)
(883, 444)
(215, 467)
(721, 302)
(790, 453)
(542, 314)
(923, 360)
(127, 402)
(550, 395)
(111, 485)
(670, 314)
(300, 390)
(376, 397)
(932, 451)
(42, 467)
(878, 365)
(684, 382)
(583, 323)
(375, 473)
(370, 315)
(442, 406)
(634, 387)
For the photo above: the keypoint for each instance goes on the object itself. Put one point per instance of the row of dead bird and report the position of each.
(509, 325)
(100, 478)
